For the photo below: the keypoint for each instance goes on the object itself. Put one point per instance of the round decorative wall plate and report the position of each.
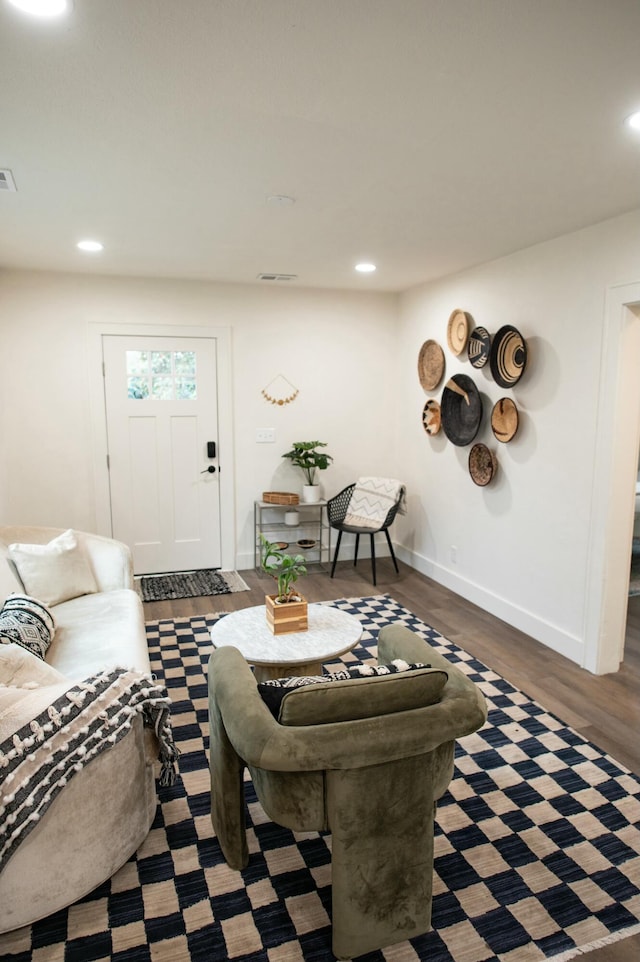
(508, 357)
(430, 365)
(479, 346)
(482, 464)
(504, 419)
(461, 409)
(457, 331)
(431, 419)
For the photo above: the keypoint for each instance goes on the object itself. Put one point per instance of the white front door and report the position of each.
(162, 420)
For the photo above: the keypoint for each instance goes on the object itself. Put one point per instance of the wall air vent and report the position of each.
(6, 181)
(277, 277)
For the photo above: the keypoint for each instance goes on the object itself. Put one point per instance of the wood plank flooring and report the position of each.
(605, 709)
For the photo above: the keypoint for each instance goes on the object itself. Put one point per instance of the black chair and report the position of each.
(337, 510)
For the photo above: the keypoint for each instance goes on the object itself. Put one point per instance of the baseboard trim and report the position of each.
(531, 624)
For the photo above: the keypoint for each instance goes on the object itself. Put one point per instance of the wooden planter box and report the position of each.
(289, 617)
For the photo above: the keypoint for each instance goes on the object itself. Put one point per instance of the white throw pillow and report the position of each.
(54, 572)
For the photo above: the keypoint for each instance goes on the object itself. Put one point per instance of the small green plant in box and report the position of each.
(285, 568)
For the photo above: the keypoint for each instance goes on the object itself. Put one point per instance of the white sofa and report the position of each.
(96, 630)
(105, 811)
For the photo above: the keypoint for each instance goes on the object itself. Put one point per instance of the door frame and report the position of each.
(615, 472)
(98, 414)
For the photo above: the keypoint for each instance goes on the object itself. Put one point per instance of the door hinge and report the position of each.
(108, 463)
(104, 369)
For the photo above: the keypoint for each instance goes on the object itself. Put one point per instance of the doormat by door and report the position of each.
(189, 584)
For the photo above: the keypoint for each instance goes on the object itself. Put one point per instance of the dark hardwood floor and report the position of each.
(605, 709)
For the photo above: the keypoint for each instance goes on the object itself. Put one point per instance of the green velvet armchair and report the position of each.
(365, 759)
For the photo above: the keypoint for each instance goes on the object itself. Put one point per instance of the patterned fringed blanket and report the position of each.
(38, 759)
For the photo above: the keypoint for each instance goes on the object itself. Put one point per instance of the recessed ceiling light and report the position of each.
(90, 246)
(365, 268)
(42, 8)
(633, 121)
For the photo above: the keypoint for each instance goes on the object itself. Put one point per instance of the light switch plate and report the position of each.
(265, 435)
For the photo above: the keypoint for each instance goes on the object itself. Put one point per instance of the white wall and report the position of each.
(522, 542)
(337, 348)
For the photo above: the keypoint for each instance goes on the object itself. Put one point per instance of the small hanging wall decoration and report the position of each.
(280, 391)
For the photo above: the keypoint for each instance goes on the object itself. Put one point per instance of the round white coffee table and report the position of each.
(331, 632)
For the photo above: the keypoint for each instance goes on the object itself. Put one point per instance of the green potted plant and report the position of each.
(286, 610)
(305, 455)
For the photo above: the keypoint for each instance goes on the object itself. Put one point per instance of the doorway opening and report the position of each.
(615, 476)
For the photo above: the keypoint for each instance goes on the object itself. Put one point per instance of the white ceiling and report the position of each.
(424, 135)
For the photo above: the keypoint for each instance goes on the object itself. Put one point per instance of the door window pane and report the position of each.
(162, 388)
(185, 389)
(161, 362)
(137, 362)
(161, 375)
(185, 362)
(138, 388)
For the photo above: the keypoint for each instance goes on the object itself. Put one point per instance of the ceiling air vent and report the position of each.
(277, 277)
(6, 181)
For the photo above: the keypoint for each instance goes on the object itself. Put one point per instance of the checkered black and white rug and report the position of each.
(537, 844)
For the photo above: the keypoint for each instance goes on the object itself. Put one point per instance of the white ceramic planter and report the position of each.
(310, 493)
(291, 517)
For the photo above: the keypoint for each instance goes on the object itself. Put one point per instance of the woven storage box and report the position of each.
(280, 497)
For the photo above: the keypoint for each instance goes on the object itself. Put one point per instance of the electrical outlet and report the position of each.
(265, 435)
(454, 554)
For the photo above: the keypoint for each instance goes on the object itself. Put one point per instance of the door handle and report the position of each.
(210, 470)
